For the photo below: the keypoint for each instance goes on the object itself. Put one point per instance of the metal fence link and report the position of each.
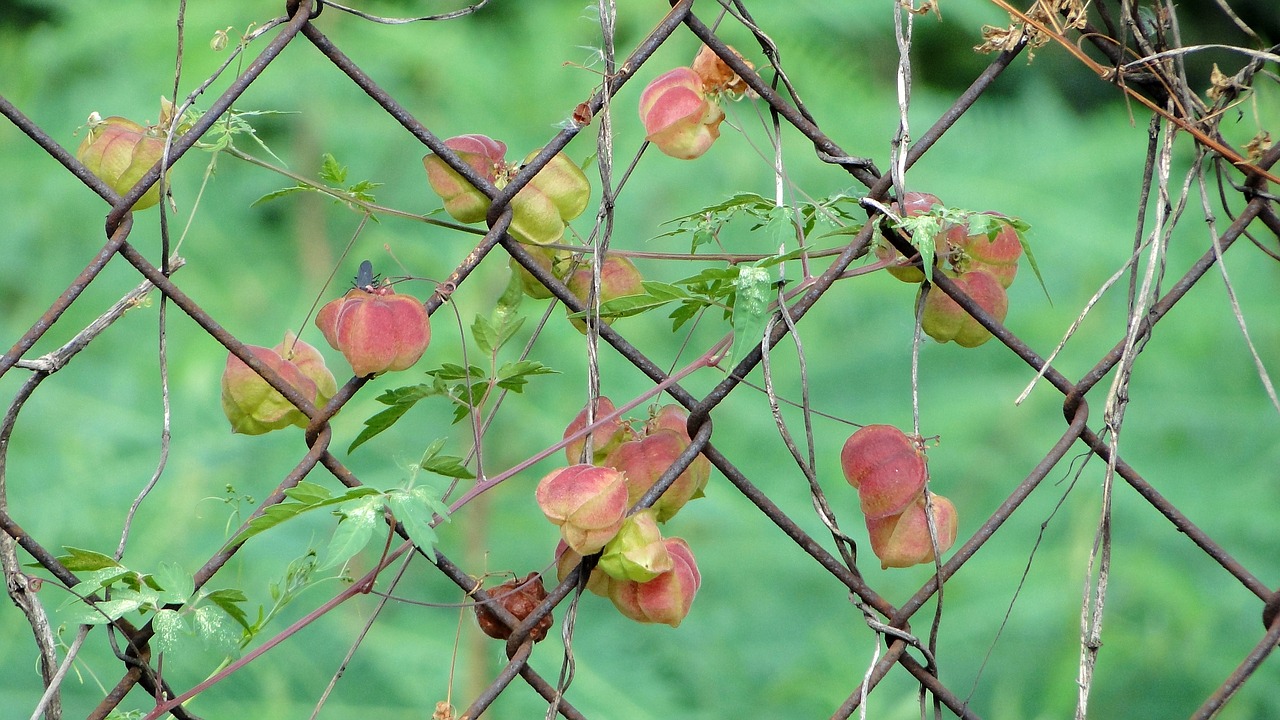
(907, 648)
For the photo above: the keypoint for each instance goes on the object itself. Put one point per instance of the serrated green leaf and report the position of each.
(784, 257)
(460, 412)
(416, 515)
(115, 608)
(436, 446)
(984, 224)
(512, 296)
(844, 230)
(448, 466)
(215, 633)
(81, 560)
(269, 518)
(228, 600)
(688, 310)
(749, 311)
(1031, 260)
(485, 335)
(508, 327)
(176, 585)
(282, 192)
(514, 375)
(332, 172)
(80, 613)
(401, 401)
(924, 231)
(276, 514)
(353, 532)
(664, 291)
(711, 275)
(453, 371)
(94, 580)
(308, 493)
(408, 394)
(361, 191)
(781, 225)
(169, 628)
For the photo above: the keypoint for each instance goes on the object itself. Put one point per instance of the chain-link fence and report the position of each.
(1137, 51)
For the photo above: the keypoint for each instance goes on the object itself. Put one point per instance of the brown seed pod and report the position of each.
(518, 597)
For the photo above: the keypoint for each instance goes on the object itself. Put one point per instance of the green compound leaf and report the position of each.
(354, 530)
(514, 375)
(80, 560)
(176, 585)
(229, 600)
(169, 628)
(750, 311)
(448, 466)
(415, 509)
(401, 401)
(307, 499)
(214, 632)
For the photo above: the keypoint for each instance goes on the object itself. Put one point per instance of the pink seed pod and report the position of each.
(463, 201)
(375, 329)
(120, 152)
(902, 540)
(678, 116)
(589, 504)
(944, 320)
(604, 439)
(644, 460)
(638, 551)
(253, 407)
(666, 598)
(885, 466)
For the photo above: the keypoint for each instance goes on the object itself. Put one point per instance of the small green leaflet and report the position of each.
(415, 509)
(781, 224)
(169, 628)
(174, 584)
(704, 225)
(335, 176)
(304, 497)
(514, 375)
(749, 311)
(229, 600)
(446, 465)
(656, 295)
(491, 334)
(924, 231)
(355, 529)
(79, 560)
(400, 400)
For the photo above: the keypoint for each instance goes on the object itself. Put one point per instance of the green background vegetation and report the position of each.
(770, 635)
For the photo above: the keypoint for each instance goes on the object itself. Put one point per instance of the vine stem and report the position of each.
(359, 587)
(482, 486)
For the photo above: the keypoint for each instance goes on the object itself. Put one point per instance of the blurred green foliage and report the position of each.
(770, 635)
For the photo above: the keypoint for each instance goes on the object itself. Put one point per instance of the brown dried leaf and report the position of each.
(1044, 12)
(1258, 145)
(717, 77)
(1222, 85)
(999, 39)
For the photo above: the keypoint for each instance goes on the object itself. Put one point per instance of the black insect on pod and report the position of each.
(365, 279)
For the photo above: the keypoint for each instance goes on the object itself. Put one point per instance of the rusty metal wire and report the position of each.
(1155, 79)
